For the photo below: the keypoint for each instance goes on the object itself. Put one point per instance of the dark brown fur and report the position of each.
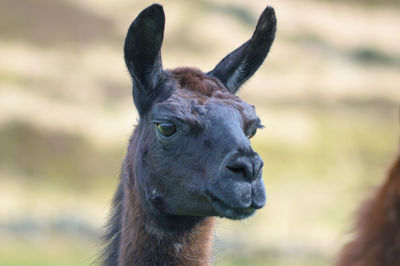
(377, 239)
(195, 80)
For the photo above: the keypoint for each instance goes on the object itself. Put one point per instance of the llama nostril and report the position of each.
(243, 167)
(238, 170)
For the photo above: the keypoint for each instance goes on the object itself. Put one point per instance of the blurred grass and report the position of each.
(55, 250)
(328, 95)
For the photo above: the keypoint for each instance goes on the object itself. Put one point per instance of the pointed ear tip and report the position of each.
(153, 10)
(269, 14)
(157, 7)
(154, 13)
(267, 22)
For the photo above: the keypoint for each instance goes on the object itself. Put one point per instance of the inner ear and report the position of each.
(242, 63)
(142, 53)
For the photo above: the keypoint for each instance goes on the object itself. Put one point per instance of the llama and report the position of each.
(377, 239)
(189, 158)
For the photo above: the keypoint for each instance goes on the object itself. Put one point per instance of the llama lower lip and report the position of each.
(224, 210)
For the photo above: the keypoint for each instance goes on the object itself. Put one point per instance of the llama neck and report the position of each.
(143, 242)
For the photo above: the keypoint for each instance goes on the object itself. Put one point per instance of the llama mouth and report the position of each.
(225, 210)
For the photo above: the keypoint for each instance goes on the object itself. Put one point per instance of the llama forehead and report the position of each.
(196, 95)
(196, 81)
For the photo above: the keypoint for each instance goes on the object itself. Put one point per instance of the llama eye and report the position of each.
(166, 129)
(252, 133)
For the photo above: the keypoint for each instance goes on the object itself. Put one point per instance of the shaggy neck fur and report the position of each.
(137, 237)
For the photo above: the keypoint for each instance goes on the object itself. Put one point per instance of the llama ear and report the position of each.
(240, 65)
(143, 56)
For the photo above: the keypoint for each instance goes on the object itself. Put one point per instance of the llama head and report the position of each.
(192, 150)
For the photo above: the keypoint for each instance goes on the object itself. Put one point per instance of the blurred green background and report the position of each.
(328, 94)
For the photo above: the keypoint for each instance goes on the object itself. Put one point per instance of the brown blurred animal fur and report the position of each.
(377, 239)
